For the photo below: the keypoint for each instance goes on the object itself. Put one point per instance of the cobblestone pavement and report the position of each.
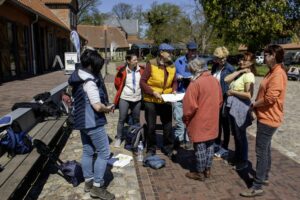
(170, 182)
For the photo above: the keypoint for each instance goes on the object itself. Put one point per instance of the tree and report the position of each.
(88, 11)
(166, 21)
(123, 11)
(254, 23)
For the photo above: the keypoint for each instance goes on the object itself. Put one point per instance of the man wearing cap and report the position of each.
(183, 76)
(159, 78)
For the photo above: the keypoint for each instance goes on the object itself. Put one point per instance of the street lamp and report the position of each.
(105, 47)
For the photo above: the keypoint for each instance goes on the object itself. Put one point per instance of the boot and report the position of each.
(102, 193)
(195, 175)
(207, 173)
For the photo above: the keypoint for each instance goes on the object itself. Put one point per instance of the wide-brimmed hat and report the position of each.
(165, 47)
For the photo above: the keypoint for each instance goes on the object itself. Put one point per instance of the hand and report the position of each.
(174, 92)
(179, 77)
(157, 95)
(230, 93)
(112, 108)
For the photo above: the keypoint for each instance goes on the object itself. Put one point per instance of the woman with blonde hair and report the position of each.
(201, 107)
(238, 101)
(220, 70)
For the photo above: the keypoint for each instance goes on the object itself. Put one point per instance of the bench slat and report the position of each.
(12, 183)
(4, 159)
(17, 160)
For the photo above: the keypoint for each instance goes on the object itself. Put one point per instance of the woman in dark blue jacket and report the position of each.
(220, 70)
(90, 106)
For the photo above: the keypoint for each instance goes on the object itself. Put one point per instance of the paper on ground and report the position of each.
(120, 160)
(172, 97)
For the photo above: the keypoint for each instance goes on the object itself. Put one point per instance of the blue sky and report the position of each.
(106, 5)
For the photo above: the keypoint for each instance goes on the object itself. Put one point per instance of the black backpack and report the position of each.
(134, 135)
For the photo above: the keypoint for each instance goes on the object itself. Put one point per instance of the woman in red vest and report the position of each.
(128, 94)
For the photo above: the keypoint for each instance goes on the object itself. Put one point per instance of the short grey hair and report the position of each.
(197, 65)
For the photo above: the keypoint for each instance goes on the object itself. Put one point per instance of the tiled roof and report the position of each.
(57, 1)
(38, 7)
(95, 36)
(131, 26)
(292, 45)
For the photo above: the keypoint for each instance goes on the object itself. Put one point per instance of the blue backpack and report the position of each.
(16, 143)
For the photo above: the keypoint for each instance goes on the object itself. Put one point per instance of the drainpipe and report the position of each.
(32, 43)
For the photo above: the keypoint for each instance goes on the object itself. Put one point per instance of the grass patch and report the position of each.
(261, 70)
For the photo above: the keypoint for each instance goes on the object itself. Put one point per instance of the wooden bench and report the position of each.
(20, 171)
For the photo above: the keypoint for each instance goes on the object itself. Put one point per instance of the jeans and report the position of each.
(124, 106)
(179, 130)
(204, 152)
(241, 142)
(224, 126)
(94, 141)
(263, 153)
(165, 112)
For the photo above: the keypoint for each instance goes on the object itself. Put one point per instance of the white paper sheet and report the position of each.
(120, 160)
(172, 97)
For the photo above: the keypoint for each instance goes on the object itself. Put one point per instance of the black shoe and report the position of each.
(88, 186)
(102, 193)
(168, 151)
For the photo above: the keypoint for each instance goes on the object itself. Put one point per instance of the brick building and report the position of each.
(32, 33)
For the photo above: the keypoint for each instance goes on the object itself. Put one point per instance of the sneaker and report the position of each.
(252, 193)
(195, 176)
(88, 186)
(117, 143)
(222, 153)
(266, 183)
(217, 147)
(240, 166)
(188, 145)
(102, 193)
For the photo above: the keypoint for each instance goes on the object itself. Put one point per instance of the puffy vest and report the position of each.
(156, 82)
(84, 115)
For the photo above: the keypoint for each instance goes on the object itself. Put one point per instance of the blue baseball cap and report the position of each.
(165, 47)
(192, 45)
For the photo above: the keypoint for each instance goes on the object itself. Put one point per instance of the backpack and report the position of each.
(16, 142)
(134, 135)
(71, 171)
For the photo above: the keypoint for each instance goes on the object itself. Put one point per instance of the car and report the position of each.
(259, 60)
(294, 73)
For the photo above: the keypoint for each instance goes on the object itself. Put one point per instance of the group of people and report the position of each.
(215, 103)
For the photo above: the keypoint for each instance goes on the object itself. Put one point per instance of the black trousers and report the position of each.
(224, 127)
(165, 113)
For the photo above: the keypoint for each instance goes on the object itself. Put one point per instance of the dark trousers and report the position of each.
(224, 126)
(165, 113)
(124, 106)
(263, 153)
(240, 141)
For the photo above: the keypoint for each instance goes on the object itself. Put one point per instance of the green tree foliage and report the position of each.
(89, 13)
(254, 23)
(166, 21)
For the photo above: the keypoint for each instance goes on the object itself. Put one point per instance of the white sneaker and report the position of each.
(221, 153)
(117, 143)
